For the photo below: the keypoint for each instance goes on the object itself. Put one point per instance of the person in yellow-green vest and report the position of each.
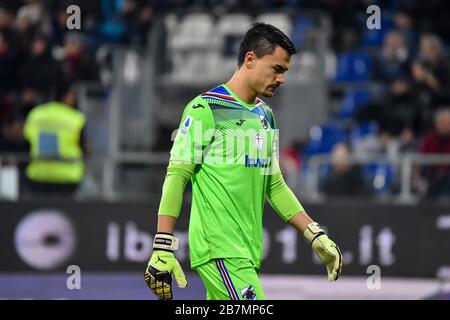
(54, 131)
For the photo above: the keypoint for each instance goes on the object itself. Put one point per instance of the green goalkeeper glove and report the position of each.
(162, 264)
(326, 249)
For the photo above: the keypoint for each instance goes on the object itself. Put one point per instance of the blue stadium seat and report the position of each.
(301, 27)
(353, 100)
(353, 67)
(112, 29)
(363, 130)
(380, 177)
(324, 137)
(375, 37)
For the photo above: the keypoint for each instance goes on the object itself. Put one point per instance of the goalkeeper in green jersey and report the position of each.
(226, 147)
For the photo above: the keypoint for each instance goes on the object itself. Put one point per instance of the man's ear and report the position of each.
(249, 60)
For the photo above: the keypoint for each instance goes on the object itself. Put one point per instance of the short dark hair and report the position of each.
(262, 38)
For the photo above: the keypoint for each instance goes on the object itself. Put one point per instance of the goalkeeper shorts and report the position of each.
(231, 279)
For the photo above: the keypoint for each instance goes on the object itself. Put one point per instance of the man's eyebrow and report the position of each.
(281, 67)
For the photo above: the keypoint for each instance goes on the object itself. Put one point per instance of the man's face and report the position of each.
(267, 72)
(430, 51)
(39, 46)
(443, 124)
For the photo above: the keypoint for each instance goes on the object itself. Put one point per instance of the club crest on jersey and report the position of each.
(259, 141)
(264, 122)
(186, 124)
(248, 293)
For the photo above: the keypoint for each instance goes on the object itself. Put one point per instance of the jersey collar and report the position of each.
(247, 105)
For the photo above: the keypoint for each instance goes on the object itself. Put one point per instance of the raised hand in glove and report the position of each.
(326, 249)
(162, 265)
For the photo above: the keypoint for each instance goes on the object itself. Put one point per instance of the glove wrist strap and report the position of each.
(165, 241)
(313, 230)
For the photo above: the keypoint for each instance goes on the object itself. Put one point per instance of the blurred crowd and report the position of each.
(397, 102)
(41, 60)
(409, 112)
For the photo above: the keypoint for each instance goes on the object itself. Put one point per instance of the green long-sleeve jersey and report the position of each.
(226, 148)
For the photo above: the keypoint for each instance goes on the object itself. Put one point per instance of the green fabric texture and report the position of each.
(281, 197)
(227, 153)
(233, 279)
(178, 175)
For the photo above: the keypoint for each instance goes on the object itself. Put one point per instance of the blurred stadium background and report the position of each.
(365, 141)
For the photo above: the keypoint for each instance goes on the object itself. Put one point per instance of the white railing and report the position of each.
(10, 175)
(402, 164)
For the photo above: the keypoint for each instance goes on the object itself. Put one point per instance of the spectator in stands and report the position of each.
(345, 179)
(58, 24)
(41, 72)
(431, 73)
(394, 58)
(28, 99)
(7, 106)
(438, 20)
(6, 18)
(54, 132)
(78, 64)
(408, 142)
(399, 110)
(437, 141)
(139, 16)
(33, 11)
(396, 110)
(8, 65)
(11, 136)
(31, 19)
(404, 24)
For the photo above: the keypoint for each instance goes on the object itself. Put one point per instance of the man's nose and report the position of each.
(280, 78)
